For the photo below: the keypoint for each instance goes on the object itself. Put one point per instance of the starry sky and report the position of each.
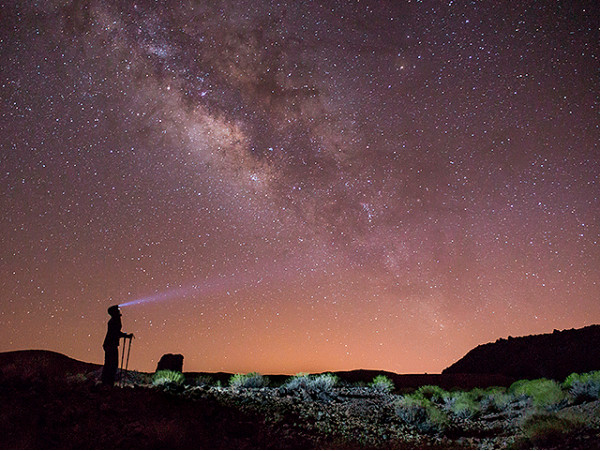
(283, 186)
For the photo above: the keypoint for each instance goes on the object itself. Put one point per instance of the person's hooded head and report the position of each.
(114, 311)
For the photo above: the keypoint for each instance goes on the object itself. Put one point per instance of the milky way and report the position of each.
(298, 186)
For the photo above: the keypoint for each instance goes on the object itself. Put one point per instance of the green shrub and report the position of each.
(382, 383)
(463, 404)
(421, 413)
(550, 430)
(497, 401)
(164, 378)
(432, 393)
(250, 380)
(493, 399)
(584, 387)
(543, 392)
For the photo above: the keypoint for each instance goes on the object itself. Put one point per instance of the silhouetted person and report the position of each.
(111, 346)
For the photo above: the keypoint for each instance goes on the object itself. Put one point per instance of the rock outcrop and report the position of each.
(553, 356)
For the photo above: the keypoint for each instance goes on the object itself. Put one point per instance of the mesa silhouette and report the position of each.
(554, 355)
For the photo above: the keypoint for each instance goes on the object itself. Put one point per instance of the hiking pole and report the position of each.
(122, 360)
(128, 354)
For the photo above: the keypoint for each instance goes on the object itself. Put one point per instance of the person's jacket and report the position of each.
(113, 334)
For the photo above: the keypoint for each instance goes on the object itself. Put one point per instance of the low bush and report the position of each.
(421, 413)
(550, 430)
(164, 378)
(300, 380)
(543, 392)
(319, 382)
(382, 383)
(250, 380)
(584, 387)
(493, 399)
(497, 401)
(325, 381)
(432, 393)
(463, 404)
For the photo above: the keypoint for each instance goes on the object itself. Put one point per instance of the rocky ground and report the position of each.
(52, 410)
(78, 414)
(354, 417)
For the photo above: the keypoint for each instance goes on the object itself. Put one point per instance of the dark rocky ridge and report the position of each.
(554, 355)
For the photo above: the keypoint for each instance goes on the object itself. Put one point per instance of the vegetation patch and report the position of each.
(319, 382)
(168, 378)
(583, 387)
(545, 430)
(382, 383)
(421, 413)
(249, 380)
(463, 404)
(542, 392)
(497, 401)
(432, 393)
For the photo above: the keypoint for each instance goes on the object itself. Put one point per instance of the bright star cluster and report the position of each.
(298, 186)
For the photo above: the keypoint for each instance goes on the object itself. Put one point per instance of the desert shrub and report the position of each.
(382, 383)
(543, 392)
(324, 381)
(421, 413)
(166, 378)
(250, 380)
(432, 393)
(300, 380)
(319, 382)
(550, 430)
(497, 400)
(463, 404)
(490, 399)
(584, 387)
(493, 391)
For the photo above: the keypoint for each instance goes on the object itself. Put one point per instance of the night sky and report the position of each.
(297, 186)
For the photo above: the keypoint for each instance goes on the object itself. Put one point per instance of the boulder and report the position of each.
(173, 362)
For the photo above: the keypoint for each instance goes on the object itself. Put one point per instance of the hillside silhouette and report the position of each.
(554, 355)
